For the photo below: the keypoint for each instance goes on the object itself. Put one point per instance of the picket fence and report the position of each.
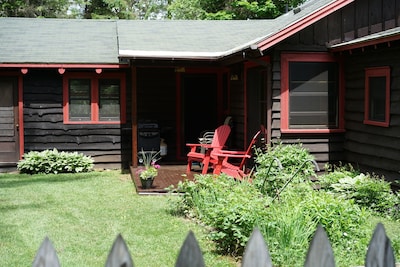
(379, 254)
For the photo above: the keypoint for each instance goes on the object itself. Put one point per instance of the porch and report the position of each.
(167, 175)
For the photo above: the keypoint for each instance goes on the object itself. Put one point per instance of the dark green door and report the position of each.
(9, 145)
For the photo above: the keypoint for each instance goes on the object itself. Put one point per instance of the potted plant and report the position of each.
(150, 169)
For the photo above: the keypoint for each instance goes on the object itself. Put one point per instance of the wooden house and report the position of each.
(326, 74)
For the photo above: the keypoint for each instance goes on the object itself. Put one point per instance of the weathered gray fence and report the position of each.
(380, 252)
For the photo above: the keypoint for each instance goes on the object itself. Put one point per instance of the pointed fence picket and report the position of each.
(380, 252)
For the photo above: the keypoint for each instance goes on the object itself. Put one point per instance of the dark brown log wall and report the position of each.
(109, 145)
(373, 146)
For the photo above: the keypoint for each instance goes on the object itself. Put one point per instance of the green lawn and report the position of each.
(82, 215)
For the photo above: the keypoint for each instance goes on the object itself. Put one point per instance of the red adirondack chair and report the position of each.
(206, 156)
(237, 171)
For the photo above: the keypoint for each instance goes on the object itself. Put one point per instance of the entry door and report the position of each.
(9, 145)
(256, 100)
(200, 111)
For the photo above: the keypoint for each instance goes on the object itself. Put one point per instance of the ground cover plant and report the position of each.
(54, 161)
(82, 215)
(287, 208)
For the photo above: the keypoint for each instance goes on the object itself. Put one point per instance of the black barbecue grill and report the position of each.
(148, 136)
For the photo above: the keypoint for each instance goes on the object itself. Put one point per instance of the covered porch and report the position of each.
(167, 175)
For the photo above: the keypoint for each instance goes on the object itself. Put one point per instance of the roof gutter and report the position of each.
(186, 55)
(302, 23)
(170, 54)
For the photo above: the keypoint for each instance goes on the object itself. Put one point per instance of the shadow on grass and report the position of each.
(16, 180)
(24, 206)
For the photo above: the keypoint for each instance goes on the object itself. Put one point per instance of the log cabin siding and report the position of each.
(357, 19)
(108, 144)
(324, 147)
(368, 145)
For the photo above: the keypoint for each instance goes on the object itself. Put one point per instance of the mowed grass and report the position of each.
(83, 213)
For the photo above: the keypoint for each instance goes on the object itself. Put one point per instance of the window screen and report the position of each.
(377, 98)
(313, 95)
(109, 100)
(79, 100)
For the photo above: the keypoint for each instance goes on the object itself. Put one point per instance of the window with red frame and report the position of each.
(377, 96)
(311, 93)
(93, 98)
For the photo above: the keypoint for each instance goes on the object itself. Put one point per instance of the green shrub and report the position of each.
(367, 190)
(230, 208)
(296, 163)
(53, 161)
(292, 220)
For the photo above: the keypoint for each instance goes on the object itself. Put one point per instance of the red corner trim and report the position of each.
(21, 116)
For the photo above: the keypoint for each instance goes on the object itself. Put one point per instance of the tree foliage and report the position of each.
(147, 9)
(230, 9)
(34, 8)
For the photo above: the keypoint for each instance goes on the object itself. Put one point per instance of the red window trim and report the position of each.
(307, 57)
(377, 72)
(94, 78)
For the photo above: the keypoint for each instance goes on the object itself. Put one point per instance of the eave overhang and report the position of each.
(187, 55)
(25, 67)
(302, 23)
(171, 55)
(387, 36)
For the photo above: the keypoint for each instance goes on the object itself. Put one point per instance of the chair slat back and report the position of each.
(221, 135)
(249, 148)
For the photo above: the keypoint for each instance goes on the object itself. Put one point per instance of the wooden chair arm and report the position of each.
(228, 153)
(225, 155)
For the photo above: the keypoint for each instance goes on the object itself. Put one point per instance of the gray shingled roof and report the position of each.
(25, 40)
(191, 38)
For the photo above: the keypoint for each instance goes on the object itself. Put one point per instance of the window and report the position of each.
(94, 98)
(377, 96)
(311, 93)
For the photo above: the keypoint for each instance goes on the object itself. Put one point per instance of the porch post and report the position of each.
(134, 118)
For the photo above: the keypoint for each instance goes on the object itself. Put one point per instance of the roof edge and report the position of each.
(64, 65)
(368, 40)
(302, 23)
(126, 53)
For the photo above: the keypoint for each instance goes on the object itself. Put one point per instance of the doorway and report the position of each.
(256, 102)
(199, 106)
(9, 129)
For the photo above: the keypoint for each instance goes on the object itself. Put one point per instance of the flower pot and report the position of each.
(147, 183)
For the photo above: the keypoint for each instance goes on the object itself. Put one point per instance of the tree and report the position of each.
(184, 9)
(230, 9)
(151, 9)
(34, 8)
(121, 9)
(147, 9)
